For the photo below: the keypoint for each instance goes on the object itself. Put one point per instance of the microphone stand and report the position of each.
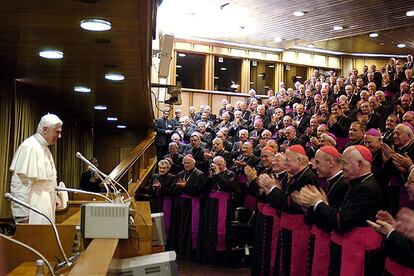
(10, 197)
(107, 178)
(76, 191)
(31, 249)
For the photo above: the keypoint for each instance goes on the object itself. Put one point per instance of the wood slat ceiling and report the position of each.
(264, 20)
(28, 26)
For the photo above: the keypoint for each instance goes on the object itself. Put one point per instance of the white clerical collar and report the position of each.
(41, 140)
(330, 178)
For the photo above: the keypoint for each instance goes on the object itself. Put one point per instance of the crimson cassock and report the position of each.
(355, 248)
(216, 214)
(294, 231)
(185, 220)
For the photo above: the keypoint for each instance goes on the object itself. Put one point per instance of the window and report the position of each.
(262, 76)
(227, 74)
(190, 70)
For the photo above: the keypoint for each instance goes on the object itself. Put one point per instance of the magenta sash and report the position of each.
(260, 207)
(166, 209)
(270, 211)
(300, 237)
(397, 269)
(222, 198)
(354, 244)
(195, 217)
(320, 251)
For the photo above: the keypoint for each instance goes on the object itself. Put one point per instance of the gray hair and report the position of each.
(48, 121)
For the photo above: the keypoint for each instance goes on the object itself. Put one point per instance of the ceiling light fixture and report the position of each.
(51, 54)
(401, 45)
(271, 66)
(373, 35)
(338, 28)
(410, 13)
(82, 89)
(223, 68)
(181, 55)
(96, 25)
(112, 119)
(311, 45)
(298, 13)
(121, 126)
(178, 66)
(100, 107)
(216, 78)
(114, 77)
(278, 39)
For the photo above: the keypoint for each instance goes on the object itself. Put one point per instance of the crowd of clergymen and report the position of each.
(315, 163)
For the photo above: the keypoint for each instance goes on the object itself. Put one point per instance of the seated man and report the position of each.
(90, 179)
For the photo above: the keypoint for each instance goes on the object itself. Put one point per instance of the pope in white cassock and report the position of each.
(34, 173)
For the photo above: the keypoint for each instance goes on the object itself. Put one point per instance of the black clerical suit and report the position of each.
(87, 185)
(183, 236)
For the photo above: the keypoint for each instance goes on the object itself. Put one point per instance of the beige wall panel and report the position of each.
(346, 66)
(334, 62)
(238, 53)
(289, 56)
(304, 58)
(221, 50)
(216, 102)
(378, 62)
(272, 57)
(319, 60)
(359, 63)
(200, 99)
(183, 46)
(235, 99)
(256, 55)
(185, 96)
(201, 48)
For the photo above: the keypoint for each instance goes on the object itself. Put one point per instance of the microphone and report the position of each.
(58, 189)
(111, 181)
(31, 249)
(10, 197)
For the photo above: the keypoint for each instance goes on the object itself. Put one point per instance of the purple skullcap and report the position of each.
(332, 135)
(373, 132)
(323, 125)
(410, 126)
(410, 112)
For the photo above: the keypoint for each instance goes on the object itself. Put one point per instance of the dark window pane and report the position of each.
(190, 70)
(262, 76)
(227, 74)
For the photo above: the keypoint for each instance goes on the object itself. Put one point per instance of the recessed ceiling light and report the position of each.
(373, 35)
(216, 78)
(223, 68)
(176, 75)
(114, 77)
(178, 66)
(410, 13)
(112, 119)
(121, 126)
(311, 45)
(82, 89)
(401, 45)
(96, 25)
(271, 66)
(338, 28)
(51, 54)
(277, 39)
(100, 107)
(182, 55)
(298, 13)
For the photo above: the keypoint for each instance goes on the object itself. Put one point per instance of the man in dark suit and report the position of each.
(89, 179)
(302, 119)
(164, 128)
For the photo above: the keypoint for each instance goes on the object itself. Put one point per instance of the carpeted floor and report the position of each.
(187, 268)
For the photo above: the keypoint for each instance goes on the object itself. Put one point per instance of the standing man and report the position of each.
(164, 128)
(34, 173)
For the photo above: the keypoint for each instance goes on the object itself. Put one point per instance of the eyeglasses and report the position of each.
(193, 140)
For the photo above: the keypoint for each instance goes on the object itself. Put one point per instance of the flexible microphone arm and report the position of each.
(58, 189)
(10, 197)
(31, 249)
(111, 181)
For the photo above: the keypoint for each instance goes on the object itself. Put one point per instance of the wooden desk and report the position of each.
(27, 269)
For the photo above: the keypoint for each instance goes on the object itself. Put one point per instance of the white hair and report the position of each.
(48, 121)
